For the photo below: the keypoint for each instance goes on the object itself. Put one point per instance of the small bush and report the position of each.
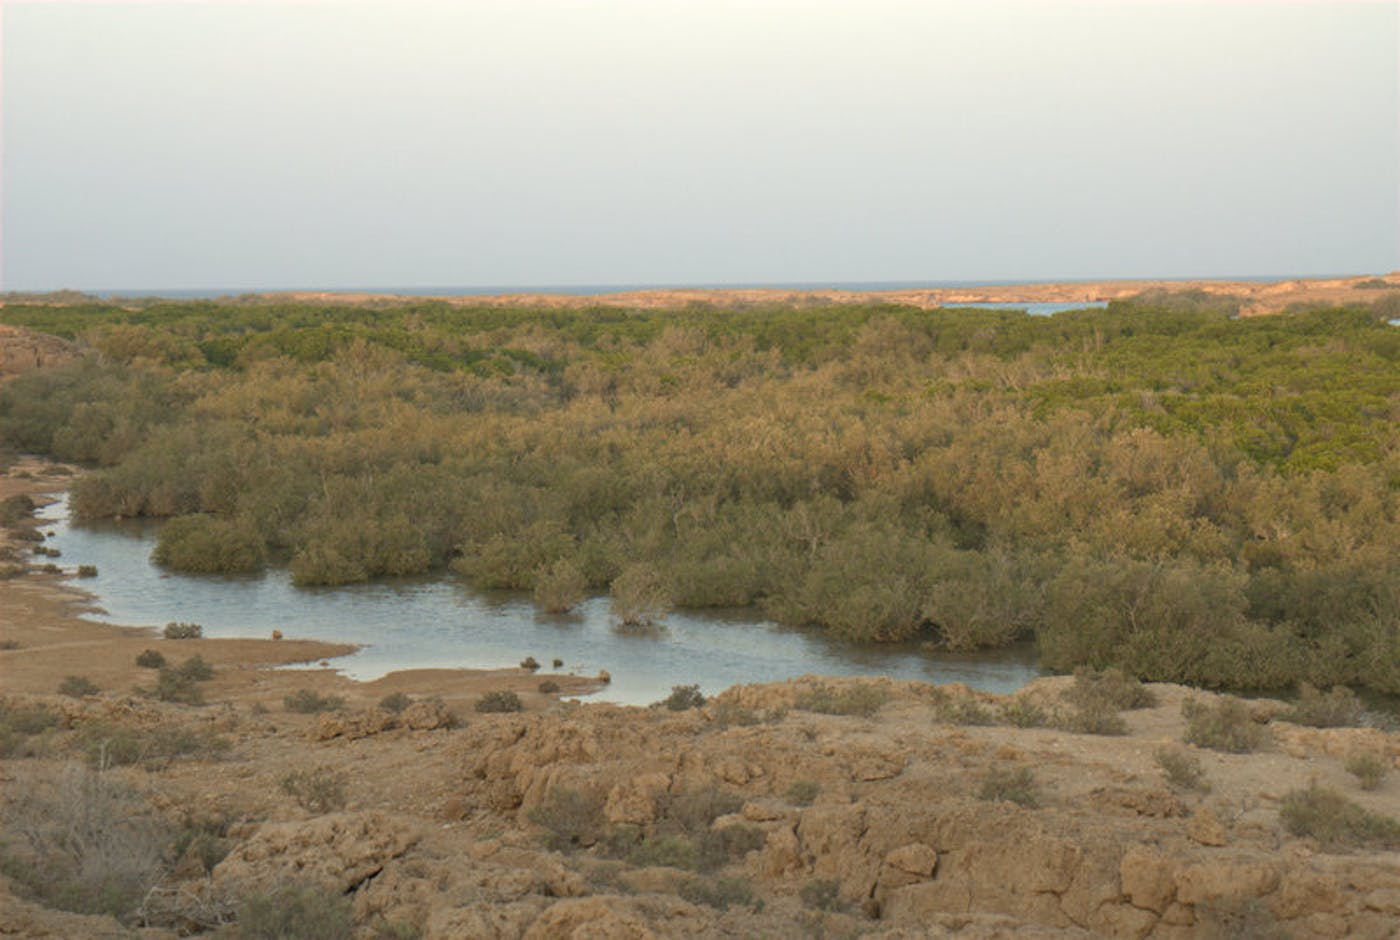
(695, 810)
(302, 912)
(14, 508)
(500, 701)
(77, 687)
(1335, 821)
(721, 893)
(673, 851)
(683, 698)
(395, 702)
(530, 663)
(317, 791)
(1112, 685)
(308, 702)
(559, 587)
(640, 597)
(9, 645)
(1023, 713)
(1225, 725)
(204, 544)
(1017, 786)
(172, 685)
(1093, 716)
(150, 659)
(558, 663)
(105, 745)
(196, 669)
(176, 630)
(1339, 708)
(860, 698)
(1182, 768)
(87, 571)
(803, 792)
(24, 731)
(1369, 769)
(728, 714)
(549, 687)
(90, 845)
(574, 819)
(822, 895)
(965, 712)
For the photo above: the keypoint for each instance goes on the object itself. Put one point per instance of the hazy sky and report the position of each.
(547, 142)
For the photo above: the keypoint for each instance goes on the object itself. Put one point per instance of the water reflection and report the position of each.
(442, 623)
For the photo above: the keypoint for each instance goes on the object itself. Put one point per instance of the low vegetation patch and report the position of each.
(1339, 708)
(1182, 769)
(80, 841)
(310, 702)
(25, 732)
(1112, 686)
(499, 702)
(803, 792)
(395, 702)
(549, 687)
(150, 659)
(77, 687)
(859, 698)
(1017, 786)
(317, 791)
(573, 819)
(1092, 716)
(304, 912)
(1369, 769)
(683, 698)
(110, 745)
(1023, 713)
(1335, 821)
(823, 894)
(1223, 725)
(719, 893)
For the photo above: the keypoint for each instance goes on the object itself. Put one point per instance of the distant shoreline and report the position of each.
(1259, 295)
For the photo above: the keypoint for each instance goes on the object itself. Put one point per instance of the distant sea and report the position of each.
(590, 289)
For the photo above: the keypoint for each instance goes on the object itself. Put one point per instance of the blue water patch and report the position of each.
(443, 623)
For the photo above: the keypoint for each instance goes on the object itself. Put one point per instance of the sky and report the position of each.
(533, 143)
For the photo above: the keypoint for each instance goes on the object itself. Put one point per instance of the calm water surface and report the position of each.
(442, 623)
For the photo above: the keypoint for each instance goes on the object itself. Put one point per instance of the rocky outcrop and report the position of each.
(24, 350)
(340, 851)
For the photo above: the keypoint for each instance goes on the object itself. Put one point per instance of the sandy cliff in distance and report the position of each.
(24, 350)
(809, 808)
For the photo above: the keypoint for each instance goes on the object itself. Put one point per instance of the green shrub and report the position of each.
(309, 702)
(150, 659)
(24, 732)
(77, 687)
(203, 838)
(719, 893)
(15, 508)
(1339, 708)
(640, 596)
(296, 912)
(683, 698)
(1182, 768)
(1023, 713)
(1368, 768)
(530, 663)
(549, 687)
(203, 544)
(176, 630)
(1335, 821)
(172, 685)
(395, 702)
(859, 698)
(965, 712)
(1233, 918)
(1016, 786)
(803, 792)
(87, 571)
(673, 851)
(695, 809)
(1225, 725)
(573, 818)
(559, 587)
(317, 791)
(195, 669)
(1093, 716)
(499, 701)
(1112, 686)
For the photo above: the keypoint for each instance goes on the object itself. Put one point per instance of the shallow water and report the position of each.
(442, 623)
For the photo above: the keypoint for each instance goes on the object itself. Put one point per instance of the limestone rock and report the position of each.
(913, 859)
(426, 716)
(1147, 878)
(351, 725)
(1206, 828)
(337, 851)
(596, 918)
